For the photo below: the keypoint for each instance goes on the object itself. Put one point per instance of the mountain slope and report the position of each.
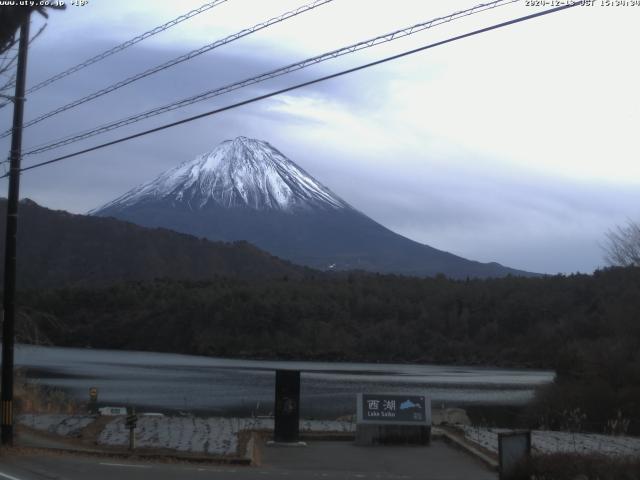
(246, 189)
(58, 248)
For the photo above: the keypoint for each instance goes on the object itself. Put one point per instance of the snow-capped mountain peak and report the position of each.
(246, 190)
(238, 173)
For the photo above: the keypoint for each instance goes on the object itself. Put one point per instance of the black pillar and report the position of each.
(287, 406)
(8, 330)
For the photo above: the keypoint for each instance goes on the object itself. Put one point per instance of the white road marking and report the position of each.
(215, 470)
(124, 465)
(7, 476)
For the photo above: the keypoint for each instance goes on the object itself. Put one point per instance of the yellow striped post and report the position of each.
(7, 412)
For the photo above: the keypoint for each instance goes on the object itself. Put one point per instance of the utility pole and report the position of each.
(9, 300)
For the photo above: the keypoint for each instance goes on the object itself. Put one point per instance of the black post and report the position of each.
(6, 434)
(287, 406)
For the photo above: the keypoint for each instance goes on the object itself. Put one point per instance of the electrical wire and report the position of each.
(300, 85)
(387, 37)
(127, 44)
(173, 62)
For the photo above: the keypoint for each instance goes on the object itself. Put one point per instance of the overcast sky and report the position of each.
(518, 146)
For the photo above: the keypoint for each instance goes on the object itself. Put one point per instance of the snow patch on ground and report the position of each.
(64, 425)
(544, 441)
(211, 436)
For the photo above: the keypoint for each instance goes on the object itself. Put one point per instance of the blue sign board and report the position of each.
(394, 408)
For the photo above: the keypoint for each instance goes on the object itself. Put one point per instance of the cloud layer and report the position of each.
(516, 147)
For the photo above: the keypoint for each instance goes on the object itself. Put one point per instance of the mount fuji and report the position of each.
(245, 189)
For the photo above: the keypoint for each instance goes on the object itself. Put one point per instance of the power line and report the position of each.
(122, 46)
(175, 61)
(388, 37)
(127, 44)
(301, 85)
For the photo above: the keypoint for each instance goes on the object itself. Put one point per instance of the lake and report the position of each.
(170, 382)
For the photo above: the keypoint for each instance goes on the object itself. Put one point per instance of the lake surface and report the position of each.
(170, 382)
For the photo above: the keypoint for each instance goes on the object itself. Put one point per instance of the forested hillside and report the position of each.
(57, 248)
(509, 321)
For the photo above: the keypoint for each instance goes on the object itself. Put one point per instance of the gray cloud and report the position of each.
(474, 207)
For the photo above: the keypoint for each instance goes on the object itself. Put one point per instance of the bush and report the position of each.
(34, 398)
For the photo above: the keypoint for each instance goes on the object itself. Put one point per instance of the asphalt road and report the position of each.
(320, 460)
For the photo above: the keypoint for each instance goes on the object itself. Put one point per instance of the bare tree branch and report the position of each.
(8, 61)
(38, 33)
(11, 17)
(622, 247)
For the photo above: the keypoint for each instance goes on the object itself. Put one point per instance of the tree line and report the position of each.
(586, 327)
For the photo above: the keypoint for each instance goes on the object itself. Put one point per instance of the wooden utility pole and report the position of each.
(9, 299)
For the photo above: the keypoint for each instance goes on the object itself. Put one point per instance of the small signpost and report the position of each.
(93, 400)
(132, 420)
(393, 418)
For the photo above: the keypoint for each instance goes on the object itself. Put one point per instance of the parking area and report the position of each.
(439, 460)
